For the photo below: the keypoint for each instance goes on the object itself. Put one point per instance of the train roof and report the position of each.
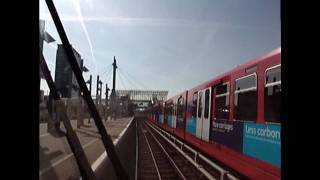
(246, 64)
(249, 63)
(177, 95)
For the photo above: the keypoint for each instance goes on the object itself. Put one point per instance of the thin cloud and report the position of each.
(129, 21)
(126, 20)
(80, 18)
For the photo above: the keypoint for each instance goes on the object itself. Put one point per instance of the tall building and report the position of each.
(65, 79)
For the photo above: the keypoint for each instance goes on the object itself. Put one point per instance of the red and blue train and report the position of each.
(233, 118)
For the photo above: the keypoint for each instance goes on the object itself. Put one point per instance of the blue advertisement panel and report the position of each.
(263, 141)
(191, 125)
(228, 133)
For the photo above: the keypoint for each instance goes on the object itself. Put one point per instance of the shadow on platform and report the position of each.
(45, 161)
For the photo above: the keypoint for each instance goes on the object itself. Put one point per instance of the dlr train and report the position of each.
(233, 118)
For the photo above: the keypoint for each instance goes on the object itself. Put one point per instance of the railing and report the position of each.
(172, 140)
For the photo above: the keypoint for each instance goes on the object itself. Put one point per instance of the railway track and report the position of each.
(160, 158)
(153, 160)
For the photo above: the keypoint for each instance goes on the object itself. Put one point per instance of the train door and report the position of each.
(199, 115)
(161, 114)
(203, 114)
(174, 116)
(165, 118)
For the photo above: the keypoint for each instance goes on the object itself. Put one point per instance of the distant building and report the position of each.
(142, 98)
(65, 79)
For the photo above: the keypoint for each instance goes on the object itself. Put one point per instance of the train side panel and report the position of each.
(241, 109)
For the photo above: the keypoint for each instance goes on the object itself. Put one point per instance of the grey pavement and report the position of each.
(55, 155)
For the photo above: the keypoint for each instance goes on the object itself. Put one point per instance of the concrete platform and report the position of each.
(56, 158)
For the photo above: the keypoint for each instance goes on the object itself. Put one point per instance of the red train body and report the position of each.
(233, 118)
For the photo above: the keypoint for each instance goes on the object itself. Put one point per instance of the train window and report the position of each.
(180, 101)
(180, 110)
(272, 94)
(168, 109)
(246, 82)
(200, 104)
(206, 104)
(194, 104)
(166, 113)
(222, 101)
(245, 98)
(180, 106)
(222, 89)
(273, 75)
(171, 109)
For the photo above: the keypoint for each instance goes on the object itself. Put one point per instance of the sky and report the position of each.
(170, 45)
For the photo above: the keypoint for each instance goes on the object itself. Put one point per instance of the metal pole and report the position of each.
(114, 64)
(41, 22)
(90, 87)
(99, 95)
(97, 91)
(108, 143)
(107, 93)
(100, 91)
(106, 101)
